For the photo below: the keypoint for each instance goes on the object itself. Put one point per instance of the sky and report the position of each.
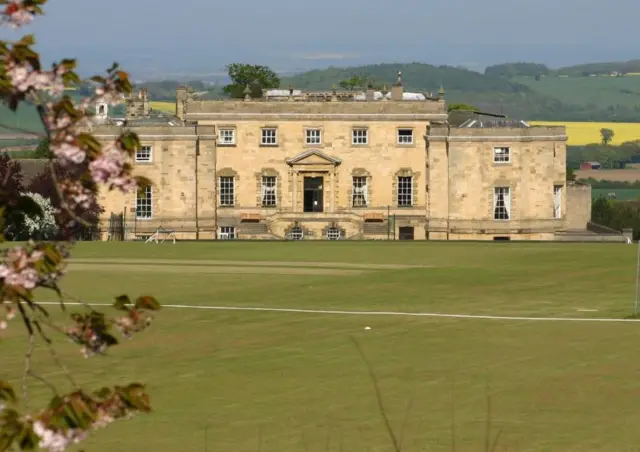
(201, 36)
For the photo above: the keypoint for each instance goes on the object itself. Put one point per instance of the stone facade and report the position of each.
(335, 166)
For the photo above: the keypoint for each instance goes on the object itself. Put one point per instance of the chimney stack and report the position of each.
(397, 90)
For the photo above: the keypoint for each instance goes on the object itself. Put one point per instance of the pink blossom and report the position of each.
(24, 78)
(76, 195)
(16, 14)
(108, 93)
(109, 169)
(68, 152)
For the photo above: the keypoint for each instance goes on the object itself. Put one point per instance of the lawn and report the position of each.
(225, 380)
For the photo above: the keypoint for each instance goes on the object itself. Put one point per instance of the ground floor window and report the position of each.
(296, 233)
(227, 233)
(333, 234)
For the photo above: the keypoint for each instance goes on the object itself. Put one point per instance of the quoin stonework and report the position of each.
(342, 165)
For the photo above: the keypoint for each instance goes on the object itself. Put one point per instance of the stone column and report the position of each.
(294, 189)
(332, 204)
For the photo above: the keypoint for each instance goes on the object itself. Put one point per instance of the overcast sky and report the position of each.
(204, 35)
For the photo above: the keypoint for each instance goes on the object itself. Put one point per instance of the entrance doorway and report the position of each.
(313, 199)
(406, 233)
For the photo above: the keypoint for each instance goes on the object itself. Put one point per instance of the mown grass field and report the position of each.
(581, 133)
(226, 380)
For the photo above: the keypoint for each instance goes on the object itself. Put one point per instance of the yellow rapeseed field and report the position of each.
(581, 133)
(167, 107)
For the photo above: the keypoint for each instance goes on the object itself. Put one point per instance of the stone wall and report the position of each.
(578, 206)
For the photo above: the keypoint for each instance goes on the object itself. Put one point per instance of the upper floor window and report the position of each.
(268, 194)
(360, 136)
(227, 136)
(405, 136)
(359, 190)
(501, 155)
(144, 154)
(227, 191)
(144, 203)
(557, 201)
(313, 136)
(269, 137)
(405, 191)
(501, 203)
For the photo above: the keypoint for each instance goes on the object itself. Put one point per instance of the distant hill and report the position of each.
(624, 67)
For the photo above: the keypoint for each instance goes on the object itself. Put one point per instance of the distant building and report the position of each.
(590, 166)
(343, 165)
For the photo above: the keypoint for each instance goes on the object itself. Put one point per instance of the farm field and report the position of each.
(622, 194)
(166, 107)
(581, 133)
(285, 381)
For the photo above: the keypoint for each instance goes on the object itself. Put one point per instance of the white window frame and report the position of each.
(227, 233)
(269, 136)
(334, 234)
(267, 189)
(557, 201)
(359, 136)
(404, 139)
(296, 233)
(226, 186)
(313, 136)
(506, 194)
(144, 154)
(144, 205)
(359, 188)
(502, 155)
(229, 139)
(401, 186)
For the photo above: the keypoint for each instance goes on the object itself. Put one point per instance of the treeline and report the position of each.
(610, 157)
(526, 69)
(617, 215)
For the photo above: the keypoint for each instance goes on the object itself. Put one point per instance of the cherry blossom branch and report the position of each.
(27, 370)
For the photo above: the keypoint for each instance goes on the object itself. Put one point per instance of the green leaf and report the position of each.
(6, 392)
(122, 303)
(147, 302)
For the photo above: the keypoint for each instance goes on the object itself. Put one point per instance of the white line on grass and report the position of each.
(380, 313)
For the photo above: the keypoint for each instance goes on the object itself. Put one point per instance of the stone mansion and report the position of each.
(342, 165)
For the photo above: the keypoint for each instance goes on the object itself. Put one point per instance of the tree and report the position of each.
(70, 416)
(358, 82)
(571, 175)
(43, 151)
(39, 226)
(607, 135)
(43, 184)
(256, 76)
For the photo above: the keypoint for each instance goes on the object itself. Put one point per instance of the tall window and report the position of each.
(227, 136)
(501, 203)
(227, 191)
(144, 203)
(359, 136)
(313, 136)
(405, 136)
(405, 191)
(143, 154)
(359, 190)
(501, 155)
(268, 194)
(269, 137)
(557, 201)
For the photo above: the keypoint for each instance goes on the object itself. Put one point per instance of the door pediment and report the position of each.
(313, 157)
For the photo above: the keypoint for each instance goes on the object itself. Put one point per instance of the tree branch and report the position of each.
(27, 370)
